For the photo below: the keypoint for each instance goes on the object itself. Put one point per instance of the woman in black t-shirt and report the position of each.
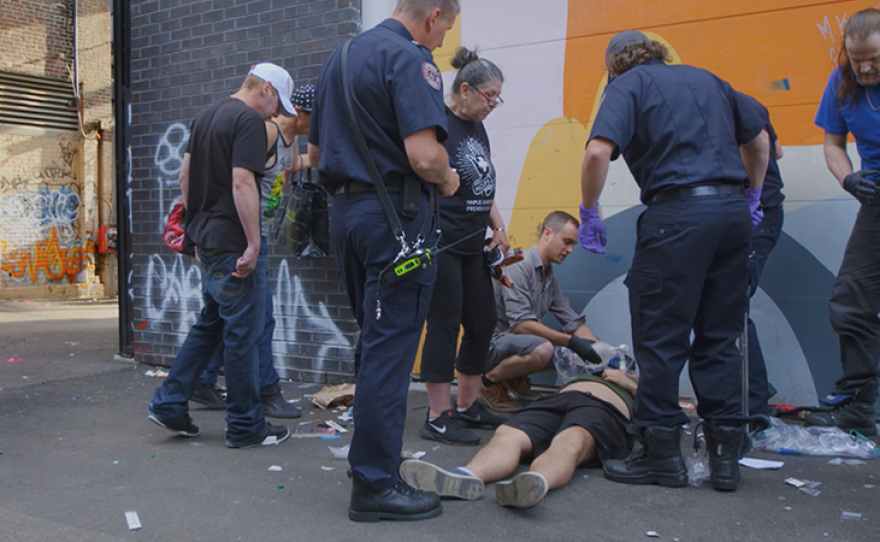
(463, 294)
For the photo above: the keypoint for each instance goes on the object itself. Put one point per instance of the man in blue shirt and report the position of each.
(851, 105)
(397, 97)
(681, 130)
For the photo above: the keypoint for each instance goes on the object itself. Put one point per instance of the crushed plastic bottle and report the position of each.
(568, 365)
(698, 467)
(783, 438)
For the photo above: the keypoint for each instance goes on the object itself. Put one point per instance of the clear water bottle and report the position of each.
(614, 357)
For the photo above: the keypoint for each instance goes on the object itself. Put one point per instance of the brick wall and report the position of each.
(185, 56)
(36, 37)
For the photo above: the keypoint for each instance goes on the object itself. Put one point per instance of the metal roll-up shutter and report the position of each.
(37, 102)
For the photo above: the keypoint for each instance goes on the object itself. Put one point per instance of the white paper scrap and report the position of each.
(794, 482)
(275, 468)
(134, 522)
(334, 425)
(340, 452)
(761, 464)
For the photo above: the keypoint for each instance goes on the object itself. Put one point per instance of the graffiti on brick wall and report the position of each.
(172, 295)
(33, 210)
(40, 220)
(290, 295)
(168, 159)
(51, 258)
(169, 292)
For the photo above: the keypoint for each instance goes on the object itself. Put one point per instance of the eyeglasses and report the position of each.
(493, 102)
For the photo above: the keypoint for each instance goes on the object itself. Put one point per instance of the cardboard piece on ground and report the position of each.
(333, 396)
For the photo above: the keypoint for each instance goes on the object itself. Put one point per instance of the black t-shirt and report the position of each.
(468, 209)
(224, 136)
(771, 195)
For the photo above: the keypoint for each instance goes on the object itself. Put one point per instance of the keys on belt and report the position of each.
(687, 192)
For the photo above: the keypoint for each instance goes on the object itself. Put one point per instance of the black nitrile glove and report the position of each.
(584, 349)
(864, 189)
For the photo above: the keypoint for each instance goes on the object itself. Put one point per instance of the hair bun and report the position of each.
(463, 56)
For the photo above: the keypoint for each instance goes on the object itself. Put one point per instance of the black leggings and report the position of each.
(463, 296)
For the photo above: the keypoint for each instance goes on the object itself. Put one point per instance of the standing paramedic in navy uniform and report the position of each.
(764, 239)
(397, 96)
(680, 130)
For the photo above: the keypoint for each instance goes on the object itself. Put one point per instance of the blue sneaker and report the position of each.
(834, 400)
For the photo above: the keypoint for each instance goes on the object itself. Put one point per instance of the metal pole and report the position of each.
(121, 21)
(745, 357)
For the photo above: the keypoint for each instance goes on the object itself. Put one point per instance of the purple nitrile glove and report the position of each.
(591, 232)
(753, 196)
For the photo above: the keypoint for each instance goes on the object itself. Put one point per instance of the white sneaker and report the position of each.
(523, 490)
(446, 483)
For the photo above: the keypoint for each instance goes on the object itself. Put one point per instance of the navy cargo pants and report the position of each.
(690, 273)
(364, 245)
(764, 238)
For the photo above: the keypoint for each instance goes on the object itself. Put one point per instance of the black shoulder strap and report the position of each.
(384, 198)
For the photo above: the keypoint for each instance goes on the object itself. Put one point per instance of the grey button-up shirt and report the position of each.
(535, 292)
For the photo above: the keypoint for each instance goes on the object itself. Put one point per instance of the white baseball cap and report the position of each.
(280, 81)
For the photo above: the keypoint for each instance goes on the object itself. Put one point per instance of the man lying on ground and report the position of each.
(584, 424)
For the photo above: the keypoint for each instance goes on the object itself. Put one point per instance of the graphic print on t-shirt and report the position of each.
(477, 173)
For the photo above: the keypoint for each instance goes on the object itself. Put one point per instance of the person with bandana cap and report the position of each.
(396, 97)
(851, 105)
(281, 133)
(692, 145)
(220, 180)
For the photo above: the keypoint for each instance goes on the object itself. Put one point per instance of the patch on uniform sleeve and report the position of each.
(432, 75)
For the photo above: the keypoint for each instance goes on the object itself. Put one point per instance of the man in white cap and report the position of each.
(222, 167)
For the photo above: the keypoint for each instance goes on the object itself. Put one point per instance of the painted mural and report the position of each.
(779, 51)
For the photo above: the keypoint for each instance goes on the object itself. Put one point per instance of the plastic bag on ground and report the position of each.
(698, 467)
(783, 438)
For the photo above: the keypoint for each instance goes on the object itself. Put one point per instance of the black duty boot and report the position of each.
(857, 413)
(657, 461)
(400, 502)
(274, 404)
(726, 445)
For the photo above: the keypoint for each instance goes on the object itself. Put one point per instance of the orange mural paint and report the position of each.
(779, 51)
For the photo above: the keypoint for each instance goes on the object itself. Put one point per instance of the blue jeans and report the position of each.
(268, 374)
(233, 316)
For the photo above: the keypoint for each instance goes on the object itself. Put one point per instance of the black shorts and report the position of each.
(550, 415)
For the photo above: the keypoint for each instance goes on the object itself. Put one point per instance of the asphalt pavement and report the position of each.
(77, 452)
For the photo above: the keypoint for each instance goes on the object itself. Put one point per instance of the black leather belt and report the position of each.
(353, 187)
(687, 192)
